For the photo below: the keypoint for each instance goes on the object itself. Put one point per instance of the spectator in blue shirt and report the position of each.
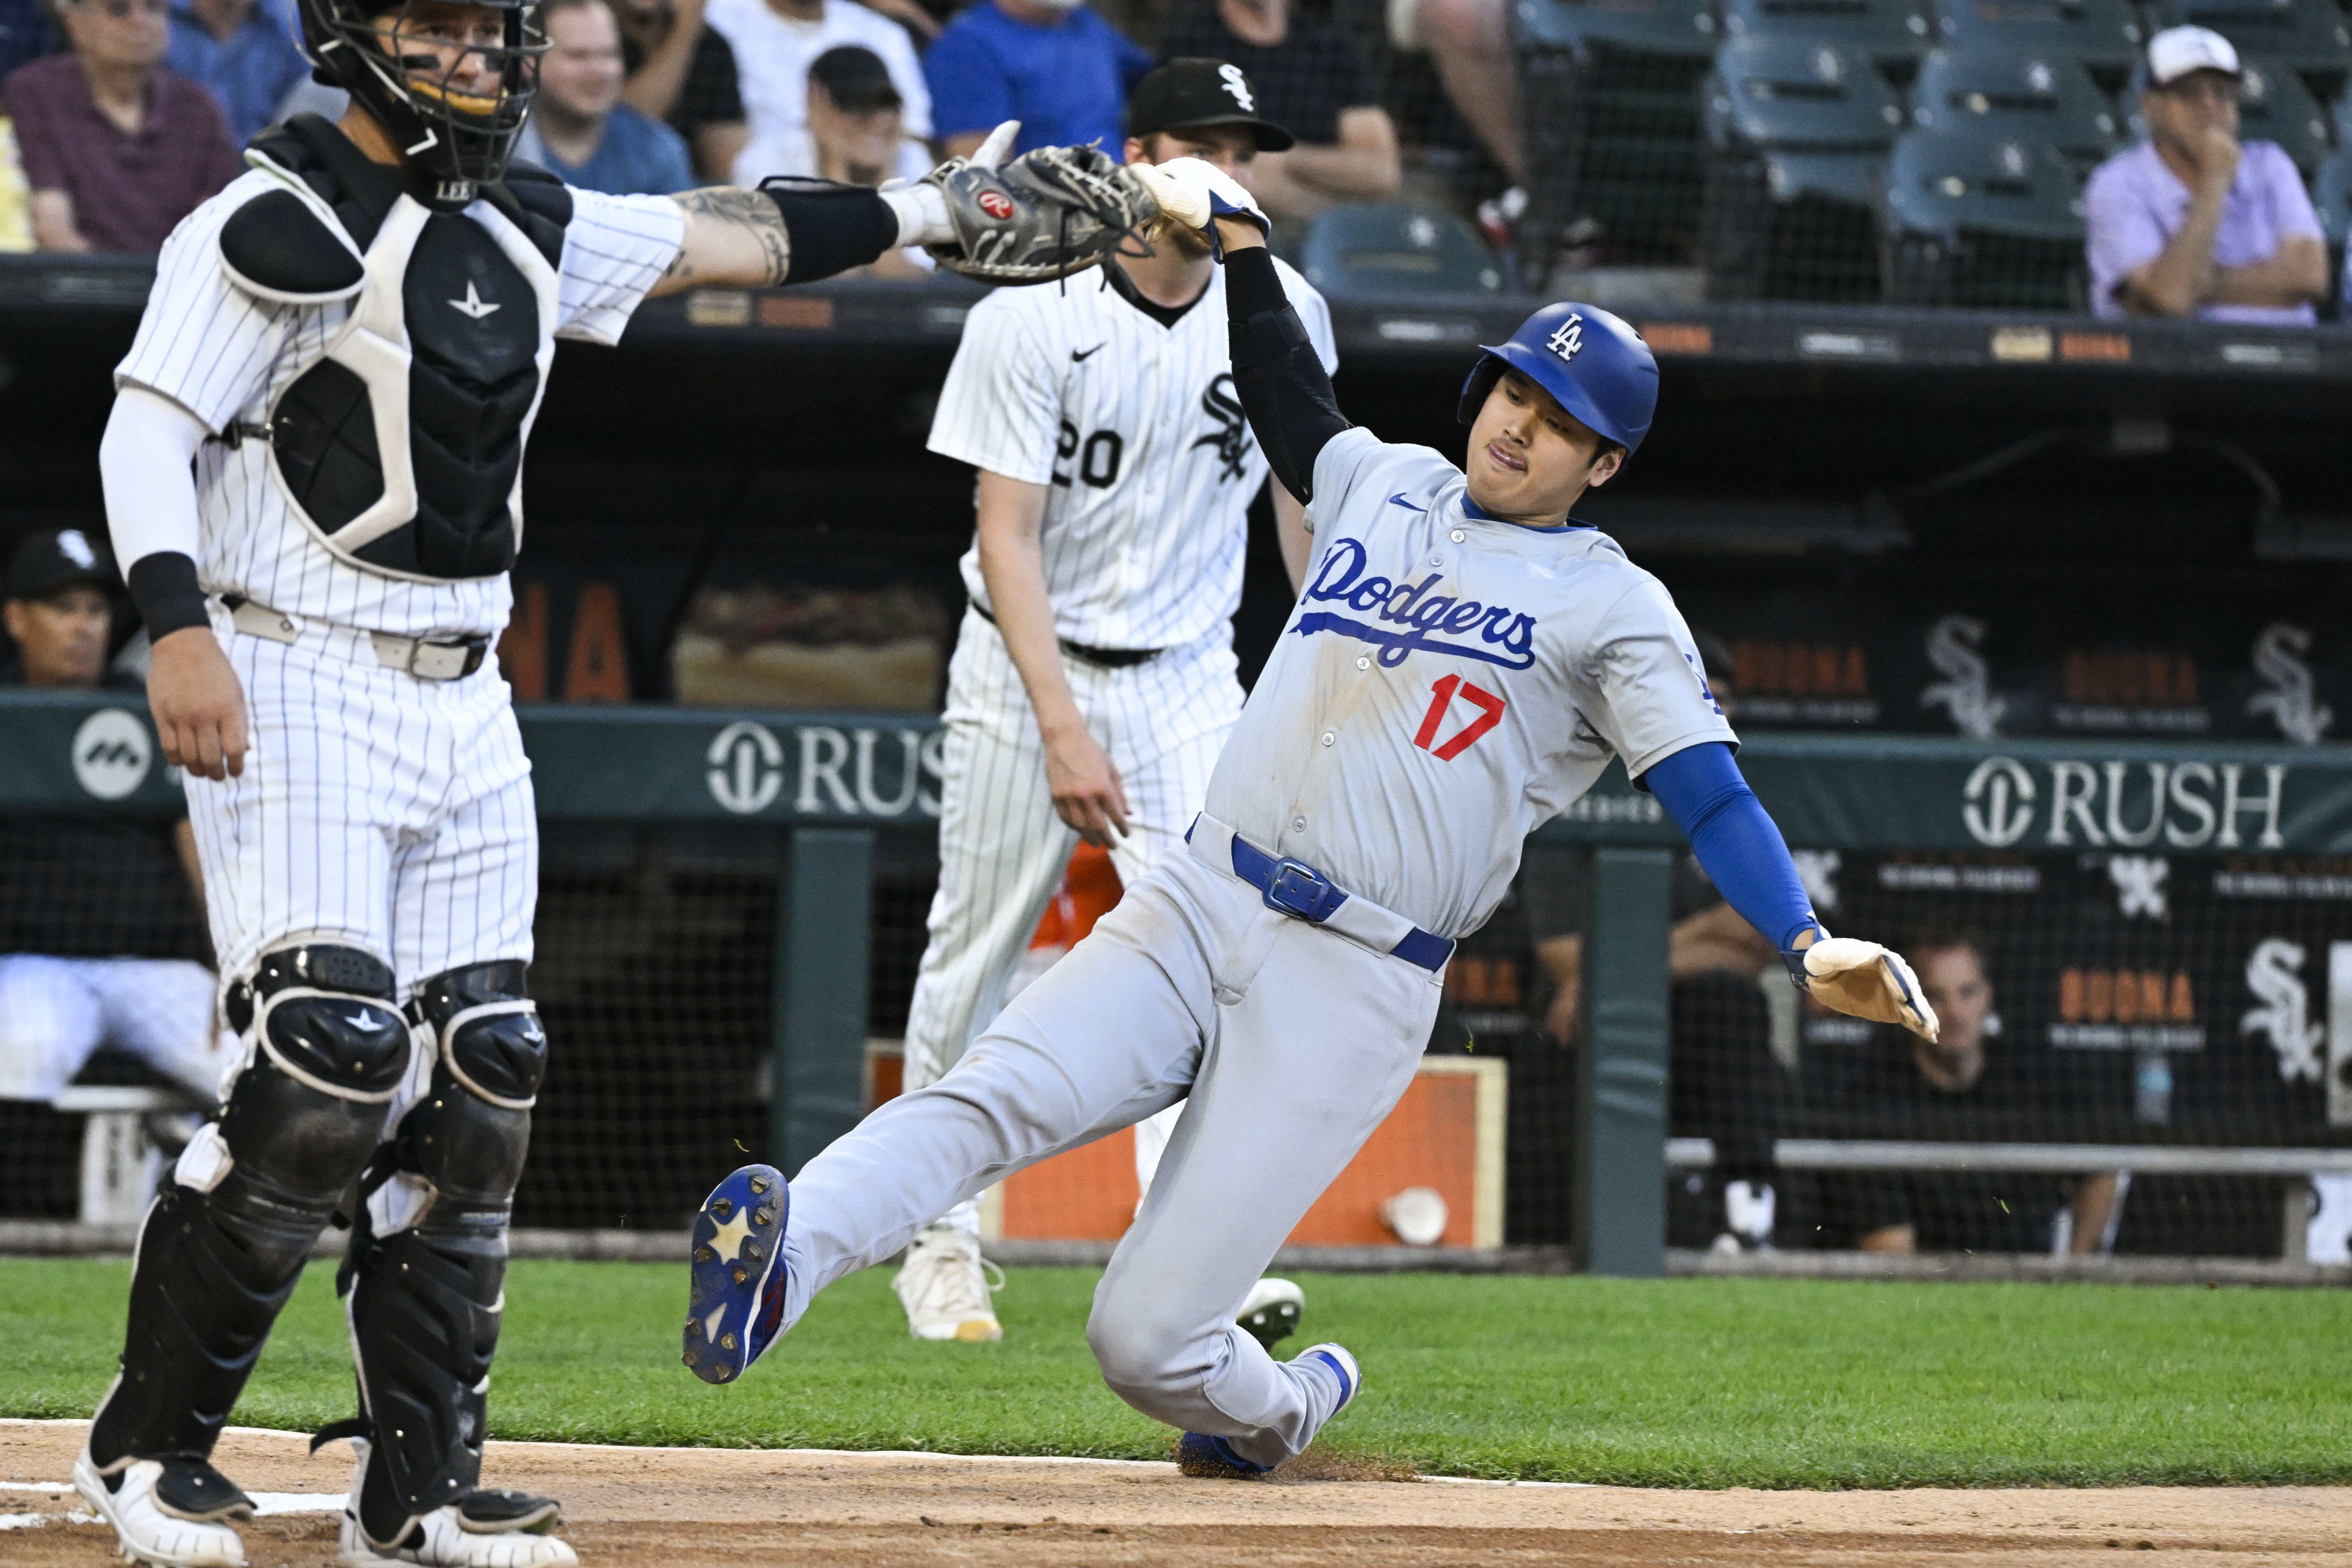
(579, 127)
(1058, 69)
(241, 53)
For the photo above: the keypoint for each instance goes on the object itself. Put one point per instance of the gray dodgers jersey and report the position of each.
(1446, 685)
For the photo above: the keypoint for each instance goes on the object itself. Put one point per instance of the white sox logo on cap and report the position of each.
(1569, 339)
(1238, 85)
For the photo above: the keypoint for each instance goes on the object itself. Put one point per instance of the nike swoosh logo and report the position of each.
(1078, 358)
(1397, 500)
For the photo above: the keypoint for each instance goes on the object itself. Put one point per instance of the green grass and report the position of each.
(1669, 1382)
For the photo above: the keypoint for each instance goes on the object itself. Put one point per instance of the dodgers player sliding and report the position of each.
(1093, 681)
(348, 344)
(1465, 661)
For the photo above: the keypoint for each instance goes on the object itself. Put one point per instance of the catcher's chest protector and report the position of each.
(401, 447)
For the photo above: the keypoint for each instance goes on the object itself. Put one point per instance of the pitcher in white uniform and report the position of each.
(1465, 661)
(1093, 681)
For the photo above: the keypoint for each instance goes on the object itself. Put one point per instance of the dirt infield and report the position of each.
(673, 1508)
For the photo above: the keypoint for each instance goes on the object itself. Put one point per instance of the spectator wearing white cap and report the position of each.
(2192, 222)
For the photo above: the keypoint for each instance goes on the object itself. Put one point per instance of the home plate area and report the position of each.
(669, 1508)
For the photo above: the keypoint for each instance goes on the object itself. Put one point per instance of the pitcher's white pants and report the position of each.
(1292, 1043)
(1002, 849)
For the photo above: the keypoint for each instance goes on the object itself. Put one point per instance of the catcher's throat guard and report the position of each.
(375, 52)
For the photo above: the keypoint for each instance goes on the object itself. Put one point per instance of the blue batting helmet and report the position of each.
(1592, 361)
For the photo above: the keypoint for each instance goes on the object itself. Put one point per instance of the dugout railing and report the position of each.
(835, 795)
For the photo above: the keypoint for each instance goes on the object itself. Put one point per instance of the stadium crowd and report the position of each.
(2096, 156)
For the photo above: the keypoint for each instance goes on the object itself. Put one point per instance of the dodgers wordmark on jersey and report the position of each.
(1135, 427)
(1447, 684)
(226, 355)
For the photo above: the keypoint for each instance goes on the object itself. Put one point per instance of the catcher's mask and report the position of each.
(406, 63)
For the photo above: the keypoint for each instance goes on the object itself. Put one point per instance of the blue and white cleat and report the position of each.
(1198, 1454)
(735, 1305)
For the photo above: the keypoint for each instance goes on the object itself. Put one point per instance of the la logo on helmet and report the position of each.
(1569, 339)
(1236, 84)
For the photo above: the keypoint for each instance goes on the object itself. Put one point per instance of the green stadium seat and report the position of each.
(1395, 249)
(2274, 106)
(2311, 37)
(1610, 95)
(1977, 219)
(1894, 33)
(1797, 137)
(2104, 35)
(2025, 93)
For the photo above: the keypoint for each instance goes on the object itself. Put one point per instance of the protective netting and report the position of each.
(2200, 1004)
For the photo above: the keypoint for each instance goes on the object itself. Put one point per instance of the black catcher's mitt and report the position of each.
(1047, 214)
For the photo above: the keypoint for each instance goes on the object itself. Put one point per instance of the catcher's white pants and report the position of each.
(55, 1012)
(1288, 1045)
(376, 810)
(1002, 849)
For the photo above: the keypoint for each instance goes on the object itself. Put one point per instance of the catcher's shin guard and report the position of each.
(428, 1255)
(223, 1243)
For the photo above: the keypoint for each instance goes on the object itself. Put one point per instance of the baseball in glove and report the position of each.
(1047, 214)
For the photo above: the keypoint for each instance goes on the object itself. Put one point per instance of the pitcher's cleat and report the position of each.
(945, 1288)
(735, 1299)
(1270, 1312)
(171, 1514)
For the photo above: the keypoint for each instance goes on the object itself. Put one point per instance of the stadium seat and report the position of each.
(1395, 249)
(1894, 33)
(2027, 94)
(2274, 106)
(1797, 138)
(2311, 37)
(2104, 35)
(1977, 219)
(1610, 105)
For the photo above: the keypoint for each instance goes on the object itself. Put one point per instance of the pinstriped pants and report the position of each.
(376, 810)
(1002, 846)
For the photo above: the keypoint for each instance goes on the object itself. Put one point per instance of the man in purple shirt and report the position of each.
(2190, 222)
(116, 149)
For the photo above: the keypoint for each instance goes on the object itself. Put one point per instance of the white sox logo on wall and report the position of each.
(1569, 339)
(2274, 975)
(1236, 84)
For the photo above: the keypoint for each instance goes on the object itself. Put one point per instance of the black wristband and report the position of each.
(831, 227)
(163, 587)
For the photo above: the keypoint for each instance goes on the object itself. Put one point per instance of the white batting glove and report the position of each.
(1863, 980)
(1195, 192)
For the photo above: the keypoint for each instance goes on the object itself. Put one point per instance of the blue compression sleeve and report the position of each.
(1739, 845)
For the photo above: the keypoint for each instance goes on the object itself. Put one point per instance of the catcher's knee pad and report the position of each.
(225, 1242)
(427, 1265)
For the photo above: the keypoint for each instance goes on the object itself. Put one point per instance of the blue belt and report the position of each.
(1295, 887)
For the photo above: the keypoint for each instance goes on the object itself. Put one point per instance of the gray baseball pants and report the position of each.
(1292, 1043)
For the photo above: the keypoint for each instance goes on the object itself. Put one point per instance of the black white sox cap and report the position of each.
(1194, 94)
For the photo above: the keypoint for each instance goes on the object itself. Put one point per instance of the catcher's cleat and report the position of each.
(735, 1302)
(172, 1513)
(476, 1533)
(1270, 1312)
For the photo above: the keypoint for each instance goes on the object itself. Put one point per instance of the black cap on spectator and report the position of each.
(1195, 94)
(855, 79)
(57, 558)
